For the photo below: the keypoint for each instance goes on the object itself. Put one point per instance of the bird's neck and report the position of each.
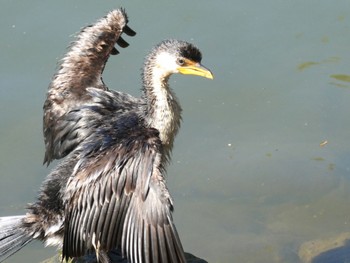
(164, 111)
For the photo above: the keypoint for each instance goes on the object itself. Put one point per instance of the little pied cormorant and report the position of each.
(109, 189)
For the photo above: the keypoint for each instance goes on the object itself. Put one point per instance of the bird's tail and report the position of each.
(12, 236)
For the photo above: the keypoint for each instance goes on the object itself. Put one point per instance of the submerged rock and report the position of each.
(334, 249)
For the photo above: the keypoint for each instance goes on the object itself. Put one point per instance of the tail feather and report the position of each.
(12, 237)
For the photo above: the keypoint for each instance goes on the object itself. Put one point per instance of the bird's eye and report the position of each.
(181, 61)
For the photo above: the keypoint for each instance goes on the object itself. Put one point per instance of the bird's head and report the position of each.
(174, 56)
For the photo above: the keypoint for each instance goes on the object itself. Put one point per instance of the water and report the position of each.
(250, 177)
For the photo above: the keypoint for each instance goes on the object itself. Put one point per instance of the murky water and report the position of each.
(261, 164)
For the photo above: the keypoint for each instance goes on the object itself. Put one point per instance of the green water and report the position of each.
(261, 164)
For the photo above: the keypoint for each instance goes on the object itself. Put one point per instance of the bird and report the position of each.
(108, 190)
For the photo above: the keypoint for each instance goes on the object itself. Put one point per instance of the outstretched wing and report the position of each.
(118, 198)
(80, 69)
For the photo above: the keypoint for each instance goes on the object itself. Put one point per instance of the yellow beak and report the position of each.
(196, 69)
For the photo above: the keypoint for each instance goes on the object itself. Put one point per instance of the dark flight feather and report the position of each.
(81, 68)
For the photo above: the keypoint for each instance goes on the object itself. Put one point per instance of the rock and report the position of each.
(115, 257)
(334, 249)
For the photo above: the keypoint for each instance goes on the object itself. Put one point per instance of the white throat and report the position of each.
(165, 109)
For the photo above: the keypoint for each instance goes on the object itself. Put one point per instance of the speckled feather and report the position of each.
(109, 190)
(118, 194)
(82, 67)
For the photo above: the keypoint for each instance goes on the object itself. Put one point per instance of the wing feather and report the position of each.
(93, 232)
(102, 220)
(147, 249)
(87, 230)
(81, 232)
(81, 68)
(154, 244)
(126, 205)
(127, 30)
(122, 43)
(140, 233)
(108, 224)
(121, 219)
(151, 218)
(112, 233)
(75, 224)
(161, 242)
